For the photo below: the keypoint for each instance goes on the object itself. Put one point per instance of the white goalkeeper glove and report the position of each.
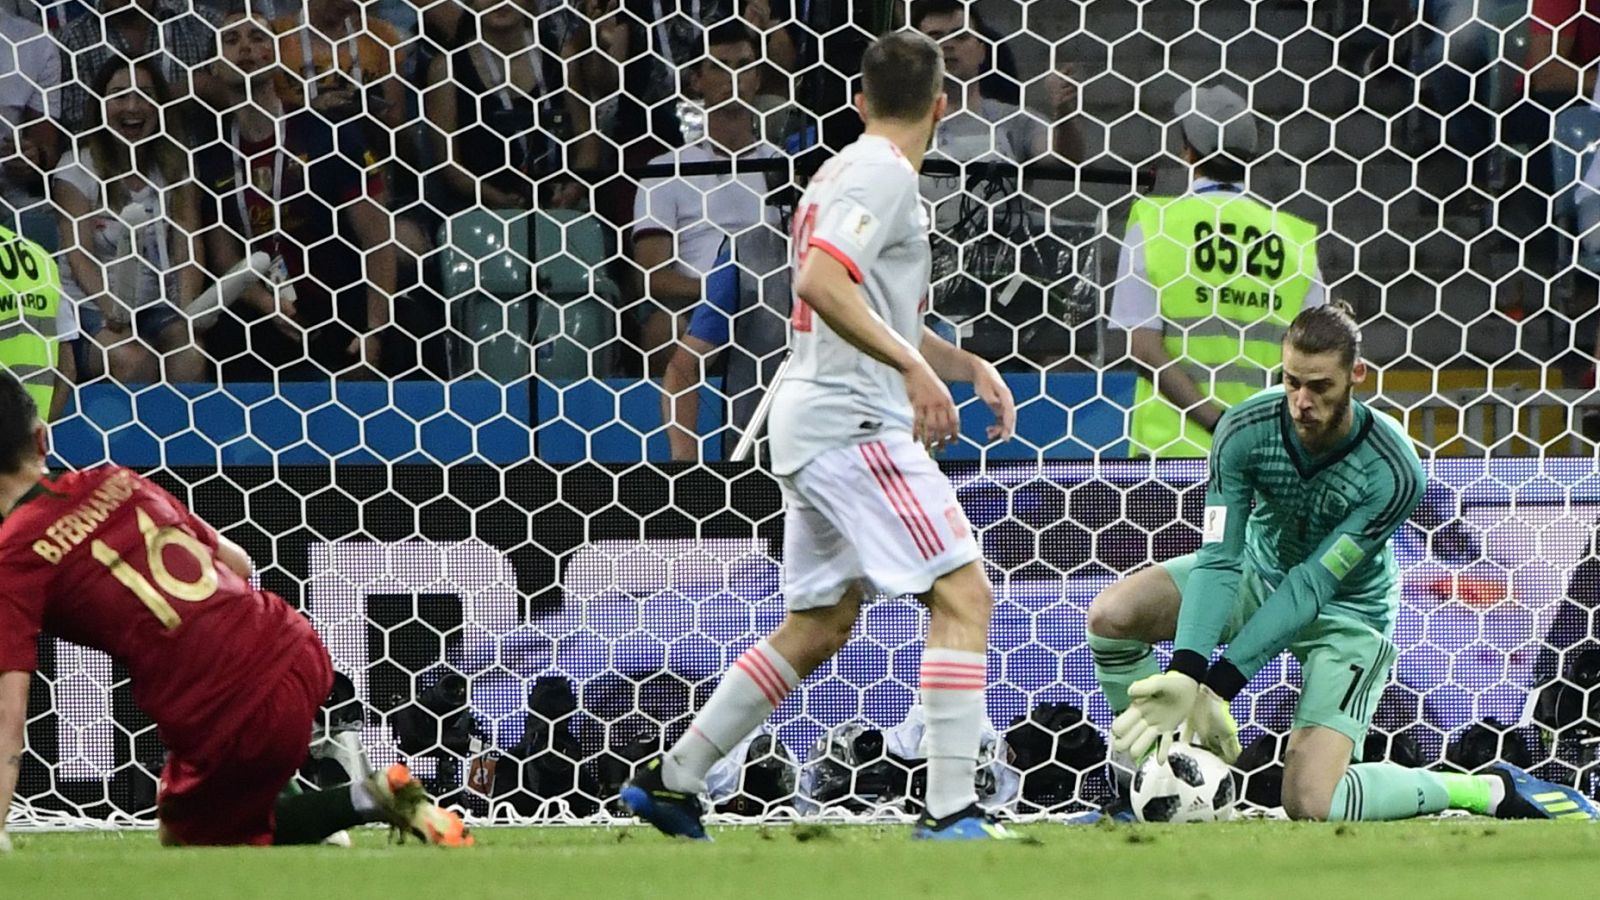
(1211, 725)
(5, 842)
(1160, 706)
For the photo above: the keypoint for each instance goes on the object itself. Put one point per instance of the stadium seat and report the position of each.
(486, 282)
(576, 297)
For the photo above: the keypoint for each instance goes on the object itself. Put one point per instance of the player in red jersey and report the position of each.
(232, 676)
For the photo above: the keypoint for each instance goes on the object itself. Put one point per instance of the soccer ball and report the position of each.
(1193, 786)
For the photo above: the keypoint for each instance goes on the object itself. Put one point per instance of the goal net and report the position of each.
(525, 595)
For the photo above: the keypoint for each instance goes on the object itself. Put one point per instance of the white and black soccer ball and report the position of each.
(1194, 785)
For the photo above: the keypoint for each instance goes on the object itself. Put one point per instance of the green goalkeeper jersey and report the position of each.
(1316, 529)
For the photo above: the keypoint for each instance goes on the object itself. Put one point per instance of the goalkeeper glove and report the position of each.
(5, 842)
(1211, 725)
(1161, 705)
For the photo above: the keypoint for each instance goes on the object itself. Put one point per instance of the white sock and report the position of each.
(361, 797)
(1497, 791)
(952, 699)
(1122, 769)
(750, 690)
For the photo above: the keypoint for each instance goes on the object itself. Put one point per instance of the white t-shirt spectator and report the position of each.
(79, 172)
(30, 70)
(703, 211)
(30, 75)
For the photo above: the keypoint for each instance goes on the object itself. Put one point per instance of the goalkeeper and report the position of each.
(1308, 569)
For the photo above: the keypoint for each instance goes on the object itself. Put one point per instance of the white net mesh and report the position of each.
(476, 245)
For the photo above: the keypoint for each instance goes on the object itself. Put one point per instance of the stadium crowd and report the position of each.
(264, 190)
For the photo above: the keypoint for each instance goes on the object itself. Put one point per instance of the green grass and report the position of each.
(1455, 858)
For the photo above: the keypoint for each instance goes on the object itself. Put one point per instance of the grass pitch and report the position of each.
(1454, 858)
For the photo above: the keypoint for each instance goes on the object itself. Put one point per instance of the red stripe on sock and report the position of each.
(954, 667)
(891, 491)
(768, 666)
(953, 685)
(916, 503)
(759, 677)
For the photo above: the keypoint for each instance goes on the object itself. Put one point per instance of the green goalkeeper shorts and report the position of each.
(1344, 662)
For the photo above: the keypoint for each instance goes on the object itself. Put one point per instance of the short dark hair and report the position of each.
(732, 31)
(18, 412)
(921, 9)
(1327, 329)
(901, 74)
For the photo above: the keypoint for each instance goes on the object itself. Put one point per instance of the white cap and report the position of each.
(1216, 119)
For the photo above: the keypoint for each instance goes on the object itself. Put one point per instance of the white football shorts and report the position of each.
(881, 511)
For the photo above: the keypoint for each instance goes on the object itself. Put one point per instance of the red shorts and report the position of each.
(228, 794)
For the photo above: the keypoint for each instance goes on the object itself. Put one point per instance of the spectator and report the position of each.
(369, 61)
(980, 221)
(30, 79)
(349, 63)
(170, 31)
(984, 114)
(625, 57)
(283, 185)
(139, 289)
(1563, 44)
(1563, 50)
(501, 116)
(1207, 283)
(683, 224)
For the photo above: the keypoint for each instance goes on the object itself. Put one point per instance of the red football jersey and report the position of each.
(110, 560)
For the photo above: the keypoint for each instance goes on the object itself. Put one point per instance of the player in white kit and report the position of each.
(861, 406)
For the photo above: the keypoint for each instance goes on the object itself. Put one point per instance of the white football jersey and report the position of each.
(862, 208)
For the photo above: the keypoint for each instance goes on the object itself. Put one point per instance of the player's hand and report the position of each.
(1161, 705)
(934, 422)
(992, 389)
(1211, 725)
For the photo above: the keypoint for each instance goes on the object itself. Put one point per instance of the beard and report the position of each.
(1323, 436)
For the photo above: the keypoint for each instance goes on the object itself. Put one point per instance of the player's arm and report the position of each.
(825, 285)
(1209, 594)
(1162, 703)
(1308, 587)
(234, 557)
(13, 717)
(955, 364)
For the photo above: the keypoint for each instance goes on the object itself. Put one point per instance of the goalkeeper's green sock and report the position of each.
(310, 817)
(1379, 792)
(1119, 662)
